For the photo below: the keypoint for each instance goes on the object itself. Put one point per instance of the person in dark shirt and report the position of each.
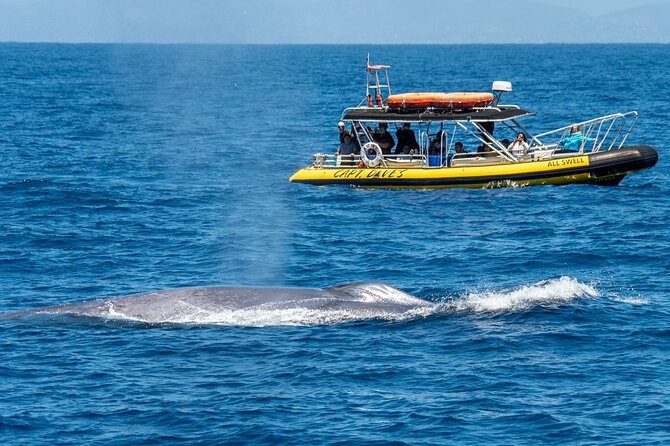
(435, 147)
(384, 138)
(406, 137)
(436, 144)
(347, 147)
(347, 151)
(340, 127)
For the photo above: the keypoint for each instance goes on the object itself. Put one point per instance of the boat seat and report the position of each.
(399, 163)
(478, 161)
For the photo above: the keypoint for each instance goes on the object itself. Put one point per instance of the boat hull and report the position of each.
(603, 168)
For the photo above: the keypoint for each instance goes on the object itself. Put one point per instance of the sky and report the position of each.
(595, 6)
(337, 22)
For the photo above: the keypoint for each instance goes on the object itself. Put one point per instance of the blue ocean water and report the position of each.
(131, 168)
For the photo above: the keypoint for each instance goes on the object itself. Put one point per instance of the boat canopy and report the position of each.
(488, 114)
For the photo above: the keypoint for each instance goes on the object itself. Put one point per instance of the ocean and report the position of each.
(134, 168)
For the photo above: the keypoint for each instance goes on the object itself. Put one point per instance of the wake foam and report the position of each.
(548, 292)
(632, 300)
(296, 317)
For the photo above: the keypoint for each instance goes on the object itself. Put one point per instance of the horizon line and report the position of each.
(42, 42)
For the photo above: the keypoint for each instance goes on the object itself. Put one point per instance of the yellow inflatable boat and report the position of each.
(454, 144)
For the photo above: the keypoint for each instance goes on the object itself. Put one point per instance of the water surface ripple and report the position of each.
(131, 168)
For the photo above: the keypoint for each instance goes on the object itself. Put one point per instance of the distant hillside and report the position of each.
(436, 21)
(649, 23)
(320, 21)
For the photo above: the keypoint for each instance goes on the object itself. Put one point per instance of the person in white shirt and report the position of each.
(519, 146)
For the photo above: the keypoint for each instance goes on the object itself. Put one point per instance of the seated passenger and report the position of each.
(519, 147)
(406, 150)
(484, 149)
(406, 137)
(574, 140)
(435, 147)
(458, 147)
(436, 144)
(383, 138)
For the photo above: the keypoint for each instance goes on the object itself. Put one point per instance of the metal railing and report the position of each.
(391, 161)
(598, 134)
(604, 133)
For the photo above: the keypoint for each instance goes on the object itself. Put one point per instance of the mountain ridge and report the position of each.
(344, 22)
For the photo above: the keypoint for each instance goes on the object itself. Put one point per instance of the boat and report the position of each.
(465, 140)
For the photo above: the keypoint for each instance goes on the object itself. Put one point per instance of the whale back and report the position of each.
(376, 292)
(229, 304)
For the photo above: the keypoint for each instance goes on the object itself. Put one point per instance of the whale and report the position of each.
(246, 305)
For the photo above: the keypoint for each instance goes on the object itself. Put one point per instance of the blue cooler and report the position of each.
(434, 160)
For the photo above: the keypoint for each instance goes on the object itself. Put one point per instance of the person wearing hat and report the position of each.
(406, 137)
(340, 127)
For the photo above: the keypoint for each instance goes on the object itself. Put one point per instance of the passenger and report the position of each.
(489, 127)
(435, 147)
(458, 147)
(406, 137)
(574, 140)
(519, 147)
(347, 149)
(436, 144)
(406, 150)
(384, 138)
(357, 129)
(506, 142)
(340, 127)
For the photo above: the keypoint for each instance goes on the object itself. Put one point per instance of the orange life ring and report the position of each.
(439, 100)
